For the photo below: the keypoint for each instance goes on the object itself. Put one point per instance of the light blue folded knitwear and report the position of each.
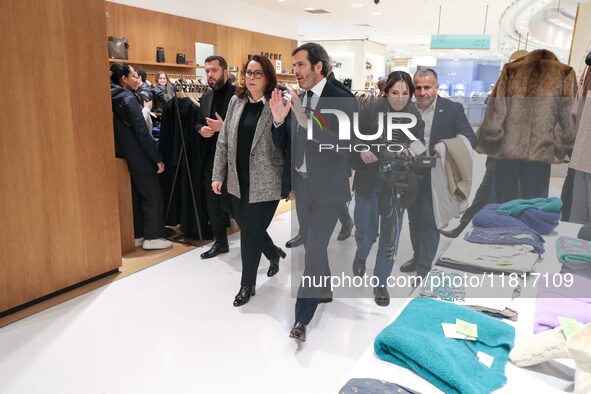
(416, 341)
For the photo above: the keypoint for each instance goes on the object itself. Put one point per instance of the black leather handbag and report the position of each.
(180, 58)
(160, 58)
(118, 48)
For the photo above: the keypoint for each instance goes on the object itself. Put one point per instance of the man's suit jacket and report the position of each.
(206, 104)
(449, 121)
(328, 171)
(266, 160)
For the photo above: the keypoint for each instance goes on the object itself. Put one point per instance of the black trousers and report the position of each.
(148, 205)
(521, 179)
(483, 193)
(218, 217)
(344, 218)
(424, 235)
(254, 219)
(319, 222)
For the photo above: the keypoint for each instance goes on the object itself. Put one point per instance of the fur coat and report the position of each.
(529, 114)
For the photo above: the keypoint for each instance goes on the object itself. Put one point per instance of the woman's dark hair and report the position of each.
(269, 72)
(316, 53)
(119, 70)
(142, 73)
(396, 76)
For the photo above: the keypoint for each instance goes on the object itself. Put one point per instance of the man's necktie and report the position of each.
(302, 132)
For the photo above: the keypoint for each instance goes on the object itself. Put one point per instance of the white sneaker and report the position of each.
(138, 242)
(161, 243)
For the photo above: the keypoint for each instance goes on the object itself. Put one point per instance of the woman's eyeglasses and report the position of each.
(257, 74)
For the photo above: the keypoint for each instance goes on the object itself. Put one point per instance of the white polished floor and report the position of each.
(172, 329)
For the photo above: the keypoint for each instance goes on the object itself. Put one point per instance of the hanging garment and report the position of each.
(415, 340)
(450, 178)
(531, 121)
(182, 211)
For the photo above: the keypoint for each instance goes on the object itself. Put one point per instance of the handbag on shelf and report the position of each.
(118, 48)
(180, 58)
(160, 58)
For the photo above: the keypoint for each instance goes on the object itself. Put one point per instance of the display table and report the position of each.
(554, 376)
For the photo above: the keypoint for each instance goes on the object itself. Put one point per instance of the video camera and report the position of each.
(152, 93)
(400, 171)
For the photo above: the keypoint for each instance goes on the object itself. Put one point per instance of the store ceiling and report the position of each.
(404, 25)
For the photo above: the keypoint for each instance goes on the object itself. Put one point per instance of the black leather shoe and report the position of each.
(217, 248)
(409, 266)
(243, 295)
(274, 267)
(381, 295)
(325, 298)
(358, 267)
(298, 332)
(295, 242)
(346, 231)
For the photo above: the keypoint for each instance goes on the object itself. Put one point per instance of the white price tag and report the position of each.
(449, 330)
(485, 359)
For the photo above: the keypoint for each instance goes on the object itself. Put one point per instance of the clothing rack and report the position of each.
(180, 87)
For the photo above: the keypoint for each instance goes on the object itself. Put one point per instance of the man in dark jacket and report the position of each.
(443, 119)
(214, 105)
(344, 216)
(320, 179)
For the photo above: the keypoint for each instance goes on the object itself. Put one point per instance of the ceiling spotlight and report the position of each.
(376, 1)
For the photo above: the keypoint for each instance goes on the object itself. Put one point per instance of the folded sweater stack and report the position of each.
(416, 341)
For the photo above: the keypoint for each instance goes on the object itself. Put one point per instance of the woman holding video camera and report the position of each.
(376, 211)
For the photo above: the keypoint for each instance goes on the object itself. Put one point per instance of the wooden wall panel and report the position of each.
(125, 207)
(146, 30)
(58, 203)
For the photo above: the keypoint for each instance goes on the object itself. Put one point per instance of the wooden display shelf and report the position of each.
(145, 63)
(286, 75)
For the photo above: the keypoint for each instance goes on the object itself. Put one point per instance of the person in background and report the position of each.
(165, 86)
(372, 192)
(443, 119)
(248, 161)
(144, 96)
(134, 143)
(214, 105)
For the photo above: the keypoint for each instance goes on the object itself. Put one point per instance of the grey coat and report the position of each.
(266, 161)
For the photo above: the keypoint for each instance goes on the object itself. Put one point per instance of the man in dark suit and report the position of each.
(443, 119)
(344, 216)
(320, 179)
(214, 104)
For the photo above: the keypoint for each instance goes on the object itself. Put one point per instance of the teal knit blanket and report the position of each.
(416, 341)
(573, 252)
(516, 207)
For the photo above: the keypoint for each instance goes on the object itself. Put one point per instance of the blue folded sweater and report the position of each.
(416, 341)
(540, 221)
